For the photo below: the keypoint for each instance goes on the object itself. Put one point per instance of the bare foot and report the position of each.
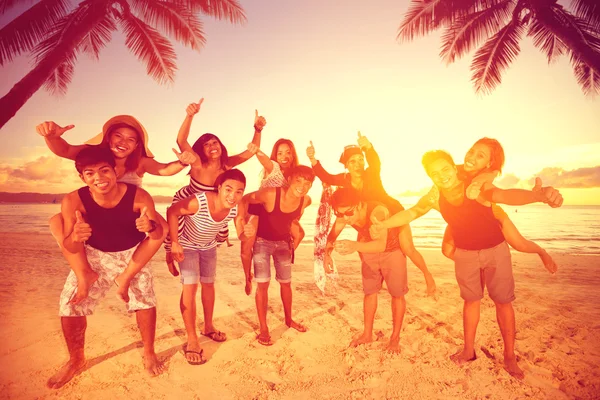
(510, 365)
(296, 326)
(548, 262)
(152, 365)
(462, 357)
(431, 288)
(394, 345)
(122, 288)
(359, 339)
(66, 373)
(84, 283)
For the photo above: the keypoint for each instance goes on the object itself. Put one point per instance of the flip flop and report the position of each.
(202, 360)
(217, 336)
(264, 342)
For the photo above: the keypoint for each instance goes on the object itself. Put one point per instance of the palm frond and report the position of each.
(28, 29)
(151, 47)
(58, 82)
(588, 10)
(495, 56)
(468, 31)
(175, 19)
(98, 36)
(579, 28)
(230, 10)
(588, 79)
(545, 40)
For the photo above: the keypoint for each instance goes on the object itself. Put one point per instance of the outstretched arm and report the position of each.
(52, 134)
(153, 167)
(517, 197)
(259, 124)
(404, 217)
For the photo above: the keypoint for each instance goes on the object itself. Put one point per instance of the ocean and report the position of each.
(569, 229)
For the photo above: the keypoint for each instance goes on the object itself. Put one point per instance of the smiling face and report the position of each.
(478, 158)
(123, 141)
(285, 157)
(349, 214)
(231, 192)
(443, 174)
(101, 178)
(212, 149)
(356, 164)
(299, 185)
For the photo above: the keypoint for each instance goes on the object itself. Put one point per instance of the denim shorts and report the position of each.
(281, 251)
(198, 266)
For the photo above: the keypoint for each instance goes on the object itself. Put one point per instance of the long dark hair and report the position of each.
(198, 148)
(132, 162)
(273, 157)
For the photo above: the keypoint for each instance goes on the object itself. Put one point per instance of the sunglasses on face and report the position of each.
(347, 213)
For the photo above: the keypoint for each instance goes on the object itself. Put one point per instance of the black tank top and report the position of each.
(113, 229)
(392, 244)
(472, 224)
(275, 225)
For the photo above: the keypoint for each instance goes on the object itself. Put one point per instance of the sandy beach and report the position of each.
(558, 336)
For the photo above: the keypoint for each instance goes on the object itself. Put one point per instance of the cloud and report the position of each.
(577, 178)
(42, 174)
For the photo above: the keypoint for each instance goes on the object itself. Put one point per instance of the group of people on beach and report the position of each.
(109, 229)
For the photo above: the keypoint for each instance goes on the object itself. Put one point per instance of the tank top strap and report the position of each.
(277, 208)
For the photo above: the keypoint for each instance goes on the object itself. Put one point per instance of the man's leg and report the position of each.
(505, 314)
(74, 332)
(142, 255)
(398, 310)
(369, 308)
(470, 322)
(262, 303)
(282, 258)
(146, 321)
(187, 305)
(286, 299)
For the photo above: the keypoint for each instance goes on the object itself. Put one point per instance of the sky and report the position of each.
(318, 70)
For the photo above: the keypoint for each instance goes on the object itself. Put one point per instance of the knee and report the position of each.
(262, 287)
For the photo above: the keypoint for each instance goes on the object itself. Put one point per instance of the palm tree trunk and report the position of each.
(26, 87)
(571, 39)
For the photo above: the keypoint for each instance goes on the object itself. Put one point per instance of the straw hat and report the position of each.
(123, 119)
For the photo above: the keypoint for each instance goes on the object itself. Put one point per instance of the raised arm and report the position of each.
(324, 176)
(259, 124)
(518, 197)
(370, 153)
(264, 159)
(153, 167)
(51, 132)
(184, 130)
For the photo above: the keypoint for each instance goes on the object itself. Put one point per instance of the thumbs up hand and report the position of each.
(310, 151)
(259, 121)
(194, 108)
(143, 223)
(186, 158)
(547, 194)
(249, 229)
(363, 142)
(81, 230)
(50, 129)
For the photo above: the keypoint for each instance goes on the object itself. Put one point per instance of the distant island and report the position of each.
(27, 197)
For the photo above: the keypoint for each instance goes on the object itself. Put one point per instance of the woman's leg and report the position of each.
(408, 248)
(519, 243)
(448, 247)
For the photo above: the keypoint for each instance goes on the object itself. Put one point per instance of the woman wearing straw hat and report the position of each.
(128, 140)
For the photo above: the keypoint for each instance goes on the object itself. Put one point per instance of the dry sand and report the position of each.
(558, 336)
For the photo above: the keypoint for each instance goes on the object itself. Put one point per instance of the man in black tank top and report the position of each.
(482, 257)
(94, 216)
(279, 208)
(381, 260)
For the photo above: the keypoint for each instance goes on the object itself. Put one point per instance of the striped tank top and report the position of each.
(200, 230)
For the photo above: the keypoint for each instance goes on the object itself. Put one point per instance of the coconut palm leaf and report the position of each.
(230, 10)
(545, 40)
(495, 56)
(5, 5)
(30, 28)
(588, 10)
(588, 79)
(580, 28)
(175, 19)
(151, 47)
(58, 82)
(469, 31)
(98, 36)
